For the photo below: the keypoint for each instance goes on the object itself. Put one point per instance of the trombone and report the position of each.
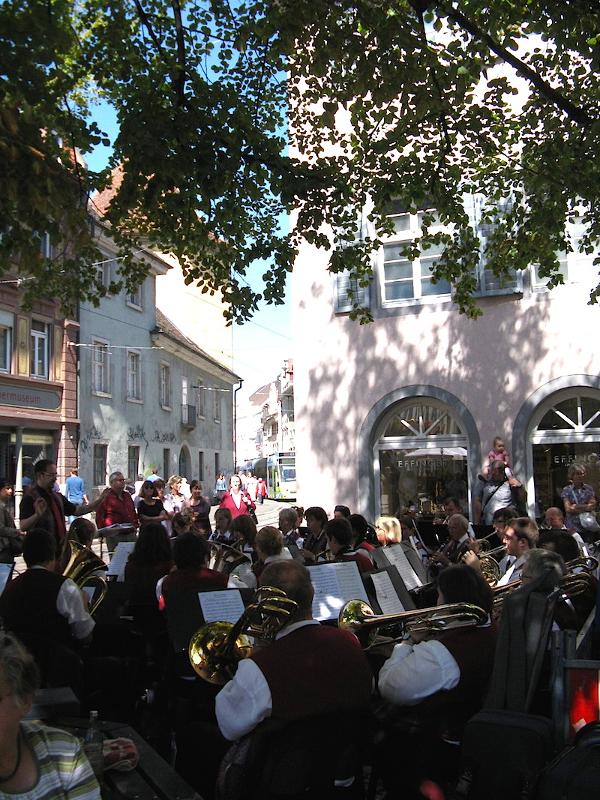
(217, 647)
(359, 618)
(82, 565)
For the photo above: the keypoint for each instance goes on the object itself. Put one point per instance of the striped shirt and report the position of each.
(64, 773)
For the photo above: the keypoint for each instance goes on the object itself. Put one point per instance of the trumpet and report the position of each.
(359, 618)
(216, 648)
(80, 568)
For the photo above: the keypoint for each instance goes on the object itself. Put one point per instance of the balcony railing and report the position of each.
(188, 415)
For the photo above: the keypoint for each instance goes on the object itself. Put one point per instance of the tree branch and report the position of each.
(179, 80)
(574, 112)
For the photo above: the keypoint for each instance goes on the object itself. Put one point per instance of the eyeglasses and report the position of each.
(51, 474)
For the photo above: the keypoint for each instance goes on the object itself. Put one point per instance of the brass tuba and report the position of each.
(80, 568)
(225, 558)
(217, 647)
(358, 617)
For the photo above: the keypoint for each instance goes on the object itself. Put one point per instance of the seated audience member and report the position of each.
(288, 525)
(150, 560)
(432, 686)
(315, 541)
(360, 531)
(190, 554)
(339, 540)
(222, 524)
(41, 603)
(388, 531)
(36, 761)
(257, 692)
(341, 512)
(269, 547)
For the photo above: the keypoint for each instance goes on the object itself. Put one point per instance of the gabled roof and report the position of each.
(167, 328)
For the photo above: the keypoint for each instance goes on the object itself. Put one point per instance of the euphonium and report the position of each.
(225, 558)
(80, 568)
(217, 647)
(583, 563)
(358, 617)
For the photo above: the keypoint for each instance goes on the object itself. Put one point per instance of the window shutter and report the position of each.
(342, 284)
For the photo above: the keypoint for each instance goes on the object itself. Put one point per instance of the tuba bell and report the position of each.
(359, 618)
(82, 563)
(216, 648)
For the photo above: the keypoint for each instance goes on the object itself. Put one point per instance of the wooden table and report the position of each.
(152, 779)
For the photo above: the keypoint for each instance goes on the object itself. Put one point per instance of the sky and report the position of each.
(259, 346)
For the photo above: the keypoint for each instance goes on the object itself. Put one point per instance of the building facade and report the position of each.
(38, 383)
(404, 410)
(150, 399)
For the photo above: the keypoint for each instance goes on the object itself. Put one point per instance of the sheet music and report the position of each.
(388, 600)
(334, 585)
(222, 606)
(119, 559)
(397, 557)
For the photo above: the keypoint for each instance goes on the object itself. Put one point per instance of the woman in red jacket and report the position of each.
(236, 499)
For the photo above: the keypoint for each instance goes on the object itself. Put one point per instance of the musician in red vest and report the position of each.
(190, 554)
(339, 540)
(43, 507)
(41, 603)
(433, 684)
(280, 682)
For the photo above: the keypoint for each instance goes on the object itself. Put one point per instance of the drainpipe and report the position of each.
(235, 425)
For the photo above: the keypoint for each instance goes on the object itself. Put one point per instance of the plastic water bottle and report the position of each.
(92, 745)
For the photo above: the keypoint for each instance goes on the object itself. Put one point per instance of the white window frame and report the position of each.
(132, 474)
(408, 233)
(39, 345)
(104, 272)
(134, 377)
(575, 267)
(104, 454)
(100, 367)
(165, 385)
(7, 354)
(217, 404)
(201, 396)
(134, 299)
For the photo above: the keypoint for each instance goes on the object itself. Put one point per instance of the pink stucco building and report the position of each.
(404, 410)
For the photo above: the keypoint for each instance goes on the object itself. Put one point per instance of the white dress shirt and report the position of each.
(413, 673)
(69, 604)
(246, 700)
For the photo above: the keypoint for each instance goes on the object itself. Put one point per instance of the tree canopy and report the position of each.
(416, 102)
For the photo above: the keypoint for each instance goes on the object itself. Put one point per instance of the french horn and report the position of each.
(82, 565)
(216, 648)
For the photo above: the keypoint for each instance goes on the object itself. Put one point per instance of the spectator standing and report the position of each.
(220, 486)
(236, 499)
(261, 491)
(578, 497)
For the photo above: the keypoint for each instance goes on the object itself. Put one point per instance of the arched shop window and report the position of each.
(422, 457)
(566, 429)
